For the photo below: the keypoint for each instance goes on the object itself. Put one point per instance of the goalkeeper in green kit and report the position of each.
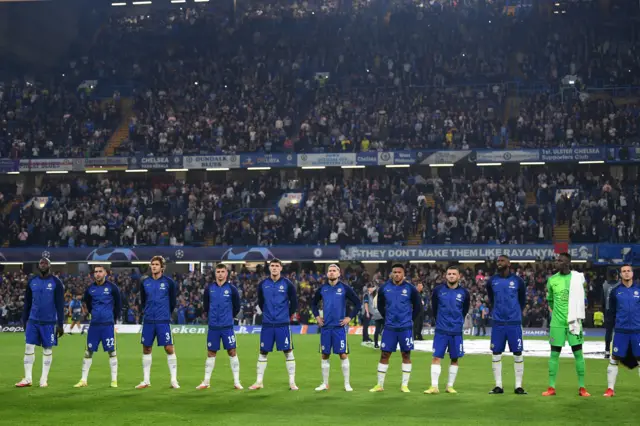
(565, 294)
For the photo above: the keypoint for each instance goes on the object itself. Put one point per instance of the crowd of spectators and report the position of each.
(191, 285)
(40, 120)
(545, 121)
(470, 205)
(160, 210)
(480, 207)
(327, 76)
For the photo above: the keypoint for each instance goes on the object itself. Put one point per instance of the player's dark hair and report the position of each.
(398, 265)
(99, 266)
(454, 268)
(504, 256)
(221, 266)
(276, 260)
(158, 259)
(626, 265)
(565, 254)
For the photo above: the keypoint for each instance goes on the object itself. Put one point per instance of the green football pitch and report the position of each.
(61, 404)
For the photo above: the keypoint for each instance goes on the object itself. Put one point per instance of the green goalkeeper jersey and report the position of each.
(558, 297)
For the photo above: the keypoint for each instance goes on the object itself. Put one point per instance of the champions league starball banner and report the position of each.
(601, 254)
(171, 254)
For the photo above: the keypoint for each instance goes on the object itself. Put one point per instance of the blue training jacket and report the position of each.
(450, 306)
(44, 301)
(508, 297)
(277, 301)
(158, 298)
(399, 305)
(334, 303)
(222, 303)
(624, 309)
(103, 302)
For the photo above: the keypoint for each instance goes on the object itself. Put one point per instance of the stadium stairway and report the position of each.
(531, 199)
(428, 199)
(416, 238)
(7, 211)
(561, 233)
(122, 132)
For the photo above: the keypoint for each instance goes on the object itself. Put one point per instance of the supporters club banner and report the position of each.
(523, 155)
(614, 155)
(52, 164)
(441, 157)
(184, 254)
(158, 162)
(8, 165)
(106, 163)
(462, 252)
(404, 157)
(327, 160)
(623, 155)
(368, 158)
(267, 160)
(212, 161)
(572, 154)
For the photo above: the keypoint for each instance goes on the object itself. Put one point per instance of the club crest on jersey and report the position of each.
(459, 297)
(106, 291)
(226, 292)
(49, 285)
(339, 290)
(404, 291)
(162, 286)
(512, 284)
(615, 349)
(281, 287)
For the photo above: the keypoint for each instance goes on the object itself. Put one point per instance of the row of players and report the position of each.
(398, 302)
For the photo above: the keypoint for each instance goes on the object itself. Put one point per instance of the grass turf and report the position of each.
(275, 404)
